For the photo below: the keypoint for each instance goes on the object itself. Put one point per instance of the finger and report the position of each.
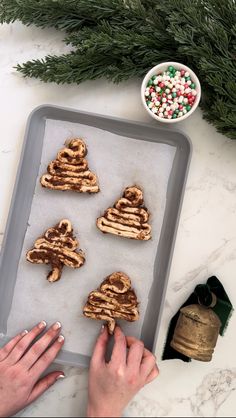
(132, 340)
(153, 375)
(6, 350)
(40, 346)
(99, 351)
(136, 352)
(43, 385)
(119, 352)
(47, 358)
(20, 348)
(148, 361)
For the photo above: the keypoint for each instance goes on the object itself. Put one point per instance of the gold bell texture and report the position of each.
(196, 332)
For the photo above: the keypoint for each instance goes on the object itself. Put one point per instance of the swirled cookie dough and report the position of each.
(69, 171)
(128, 218)
(115, 299)
(58, 248)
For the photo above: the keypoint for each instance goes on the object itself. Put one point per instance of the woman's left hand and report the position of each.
(21, 367)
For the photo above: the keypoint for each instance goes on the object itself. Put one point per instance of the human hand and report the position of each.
(112, 385)
(21, 367)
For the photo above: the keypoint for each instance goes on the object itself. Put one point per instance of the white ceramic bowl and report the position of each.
(159, 69)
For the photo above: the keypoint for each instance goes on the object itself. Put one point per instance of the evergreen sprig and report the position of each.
(119, 39)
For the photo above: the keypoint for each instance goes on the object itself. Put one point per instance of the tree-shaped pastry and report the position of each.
(128, 217)
(115, 299)
(58, 248)
(69, 171)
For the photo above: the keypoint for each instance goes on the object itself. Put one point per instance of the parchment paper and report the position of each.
(118, 162)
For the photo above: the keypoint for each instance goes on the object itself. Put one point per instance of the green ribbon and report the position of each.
(202, 295)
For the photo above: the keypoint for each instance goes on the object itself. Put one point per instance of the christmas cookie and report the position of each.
(115, 299)
(58, 248)
(128, 218)
(69, 171)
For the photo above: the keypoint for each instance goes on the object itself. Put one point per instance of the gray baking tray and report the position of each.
(22, 199)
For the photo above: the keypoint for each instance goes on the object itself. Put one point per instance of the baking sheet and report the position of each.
(118, 162)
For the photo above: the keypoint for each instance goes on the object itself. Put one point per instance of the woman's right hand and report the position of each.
(112, 385)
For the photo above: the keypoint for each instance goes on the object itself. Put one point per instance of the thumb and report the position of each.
(99, 352)
(44, 384)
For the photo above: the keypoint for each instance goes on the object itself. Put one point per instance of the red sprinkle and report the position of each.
(161, 85)
(180, 107)
(182, 72)
(179, 93)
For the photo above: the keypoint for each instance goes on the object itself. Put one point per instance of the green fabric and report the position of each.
(202, 294)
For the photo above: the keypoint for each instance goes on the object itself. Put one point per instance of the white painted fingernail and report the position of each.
(42, 324)
(61, 338)
(56, 326)
(61, 376)
(24, 332)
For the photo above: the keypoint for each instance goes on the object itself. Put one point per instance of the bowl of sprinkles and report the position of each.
(170, 92)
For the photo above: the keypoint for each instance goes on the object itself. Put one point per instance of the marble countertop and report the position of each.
(205, 243)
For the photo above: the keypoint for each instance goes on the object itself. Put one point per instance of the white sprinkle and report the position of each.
(180, 114)
(180, 99)
(167, 91)
(185, 100)
(157, 103)
(172, 107)
(164, 100)
(150, 105)
(184, 111)
(158, 89)
(165, 113)
(161, 109)
(160, 115)
(169, 96)
(164, 105)
(177, 73)
(153, 94)
(175, 99)
(166, 83)
(182, 80)
(174, 90)
(177, 86)
(186, 74)
(170, 85)
(181, 87)
(169, 116)
(194, 92)
(154, 110)
(189, 82)
(167, 108)
(187, 90)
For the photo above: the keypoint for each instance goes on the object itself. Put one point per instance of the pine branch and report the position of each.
(119, 39)
(72, 15)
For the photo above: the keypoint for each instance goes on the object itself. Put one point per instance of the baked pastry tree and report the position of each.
(58, 248)
(128, 217)
(115, 299)
(69, 171)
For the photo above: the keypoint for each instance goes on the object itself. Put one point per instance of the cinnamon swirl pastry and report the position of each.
(128, 218)
(58, 248)
(115, 299)
(70, 170)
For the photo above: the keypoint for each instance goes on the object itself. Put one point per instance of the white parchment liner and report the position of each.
(118, 162)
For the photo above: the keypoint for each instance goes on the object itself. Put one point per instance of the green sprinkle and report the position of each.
(148, 102)
(171, 69)
(153, 77)
(150, 82)
(188, 78)
(193, 86)
(188, 108)
(172, 75)
(174, 94)
(177, 111)
(174, 116)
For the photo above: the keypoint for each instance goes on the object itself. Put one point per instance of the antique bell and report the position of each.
(196, 332)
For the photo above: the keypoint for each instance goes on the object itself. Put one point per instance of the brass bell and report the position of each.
(196, 332)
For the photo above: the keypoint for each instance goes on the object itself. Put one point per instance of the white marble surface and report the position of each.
(205, 243)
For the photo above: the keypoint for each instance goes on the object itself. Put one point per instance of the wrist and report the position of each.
(94, 412)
